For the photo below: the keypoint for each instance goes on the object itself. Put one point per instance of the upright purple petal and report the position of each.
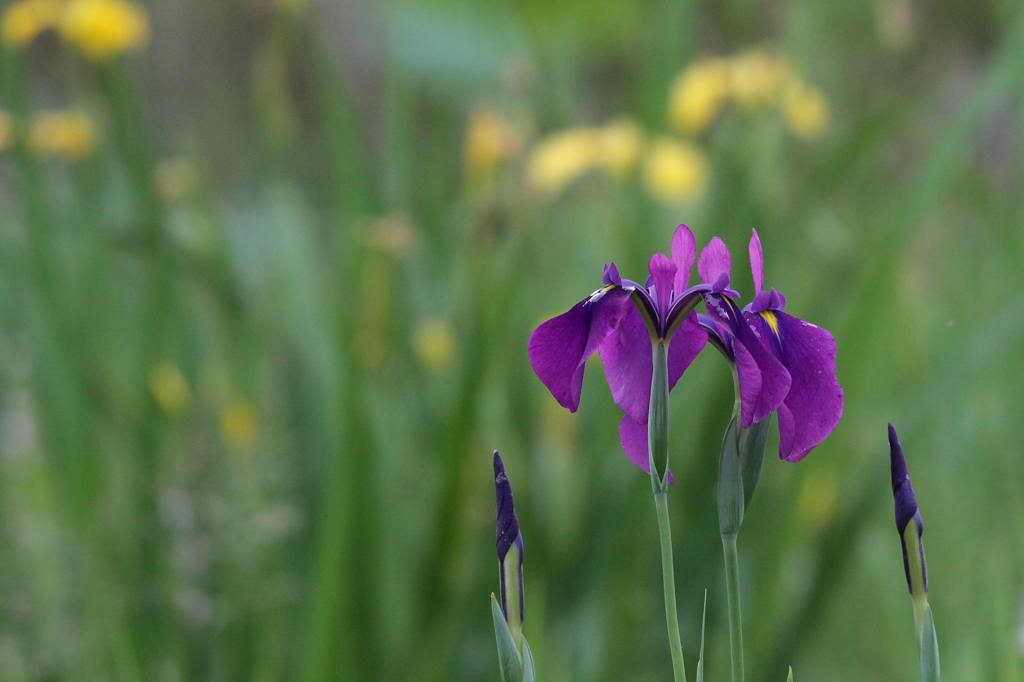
(684, 252)
(685, 345)
(559, 348)
(756, 260)
(815, 401)
(626, 359)
(663, 274)
(714, 262)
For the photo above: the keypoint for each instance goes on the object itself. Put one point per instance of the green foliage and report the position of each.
(256, 348)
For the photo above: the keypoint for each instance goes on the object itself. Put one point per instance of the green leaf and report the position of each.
(730, 484)
(789, 677)
(528, 674)
(752, 447)
(703, 620)
(508, 656)
(929, 648)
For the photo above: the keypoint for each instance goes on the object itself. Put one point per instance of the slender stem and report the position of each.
(657, 457)
(668, 579)
(732, 588)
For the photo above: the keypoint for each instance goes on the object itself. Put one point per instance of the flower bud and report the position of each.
(509, 545)
(907, 512)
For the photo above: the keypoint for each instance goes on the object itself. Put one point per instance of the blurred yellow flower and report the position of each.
(104, 28)
(805, 109)
(675, 172)
(698, 95)
(239, 424)
(62, 133)
(6, 130)
(562, 157)
(434, 343)
(489, 140)
(756, 77)
(170, 389)
(175, 178)
(24, 20)
(619, 145)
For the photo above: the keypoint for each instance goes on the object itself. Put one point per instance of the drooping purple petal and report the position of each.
(633, 436)
(685, 345)
(756, 260)
(663, 274)
(814, 404)
(764, 381)
(626, 359)
(559, 348)
(714, 262)
(684, 252)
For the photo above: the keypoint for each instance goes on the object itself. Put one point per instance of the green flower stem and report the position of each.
(668, 578)
(657, 439)
(732, 587)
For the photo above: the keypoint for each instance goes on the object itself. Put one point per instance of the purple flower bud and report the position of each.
(906, 508)
(509, 539)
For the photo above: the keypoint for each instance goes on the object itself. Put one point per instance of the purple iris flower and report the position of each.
(508, 535)
(620, 321)
(783, 364)
(906, 506)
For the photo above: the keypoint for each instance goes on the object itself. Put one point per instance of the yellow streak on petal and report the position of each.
(773, 322)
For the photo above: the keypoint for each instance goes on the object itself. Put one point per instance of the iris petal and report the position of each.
(626, 359)
(559, 348)
(756, 260)
(814, 404)
(663, 274)
(714, 262)
(684, 252)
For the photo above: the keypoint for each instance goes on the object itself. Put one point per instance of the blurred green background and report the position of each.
(267, 273)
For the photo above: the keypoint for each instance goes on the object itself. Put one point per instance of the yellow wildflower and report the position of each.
(561, 158)
(489, 140)
(755, 77)
(6, 130)
(434, 344)
(619, 146)
(805, 110)
(170, 389)
(24, 20)
(698, 95)
(175, 178)
(62, 133)
(239, 423)
(675, 172)
(104, 28)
